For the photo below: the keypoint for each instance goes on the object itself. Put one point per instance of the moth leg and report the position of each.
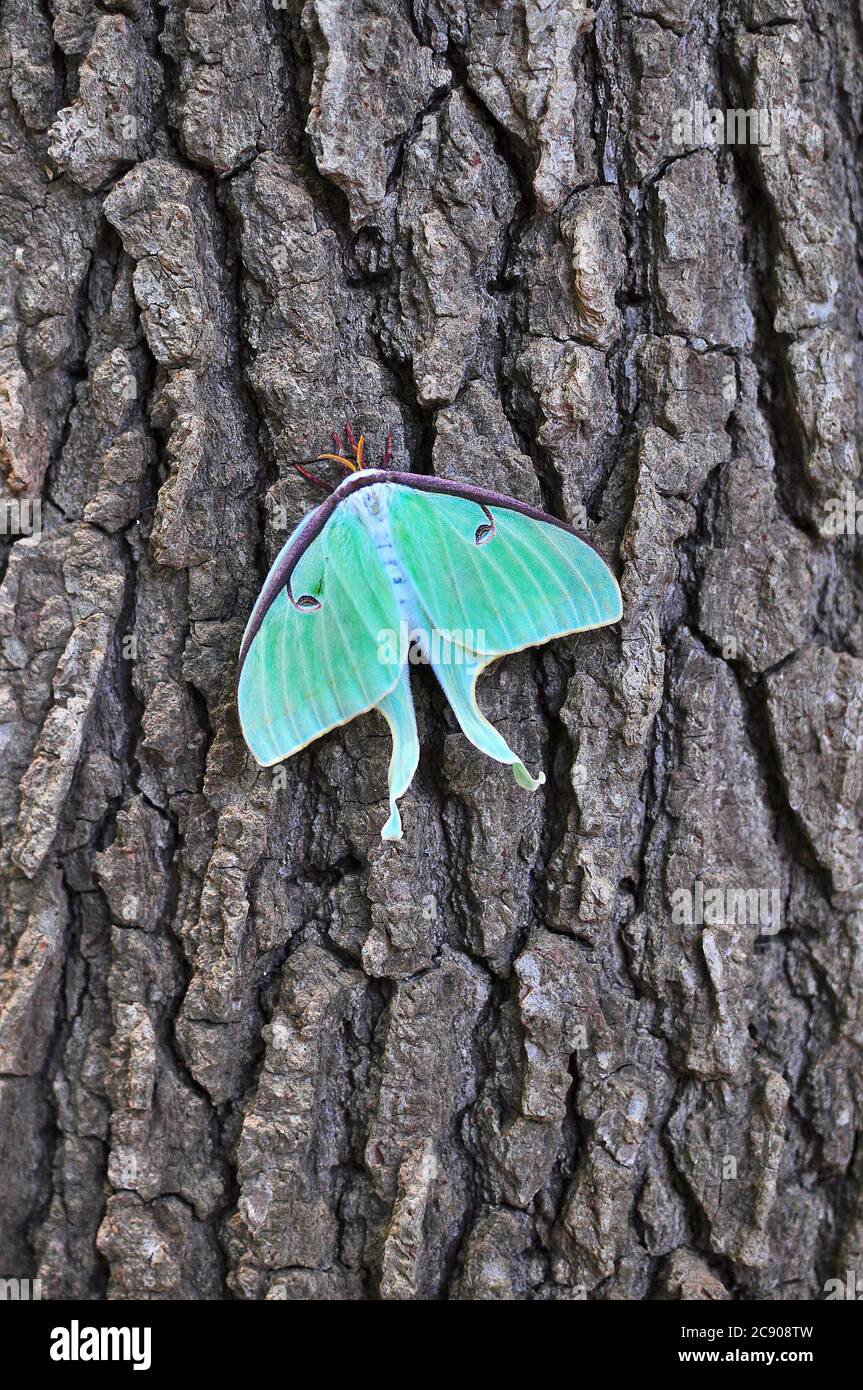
(458, 674)
(398, 710)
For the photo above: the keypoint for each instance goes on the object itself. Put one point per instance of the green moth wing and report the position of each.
(458, 670)
(398, 709)
(313, 661)
(524, 581)
(490, 579)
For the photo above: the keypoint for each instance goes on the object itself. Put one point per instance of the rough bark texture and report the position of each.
(246, 1049)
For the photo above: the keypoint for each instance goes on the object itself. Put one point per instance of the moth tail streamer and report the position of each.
(398, 710)
(458, 674)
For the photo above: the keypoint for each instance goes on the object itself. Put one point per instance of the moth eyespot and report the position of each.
(307, 602)
(484, 533)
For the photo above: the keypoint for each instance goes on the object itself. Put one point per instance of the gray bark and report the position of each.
(246, 1049)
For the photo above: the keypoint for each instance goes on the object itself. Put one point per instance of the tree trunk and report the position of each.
(601, 1041)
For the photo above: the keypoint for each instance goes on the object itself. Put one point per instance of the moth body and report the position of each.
(372, 506)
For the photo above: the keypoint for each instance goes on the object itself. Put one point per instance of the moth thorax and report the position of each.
(374, 500)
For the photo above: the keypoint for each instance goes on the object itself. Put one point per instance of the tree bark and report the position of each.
(602, 1041)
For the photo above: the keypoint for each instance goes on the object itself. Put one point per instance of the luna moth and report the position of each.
(469, 574)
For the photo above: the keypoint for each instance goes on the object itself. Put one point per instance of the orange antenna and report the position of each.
(358, 446)
(359, 451)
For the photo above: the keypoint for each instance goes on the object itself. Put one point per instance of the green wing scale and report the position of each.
(473, 574)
